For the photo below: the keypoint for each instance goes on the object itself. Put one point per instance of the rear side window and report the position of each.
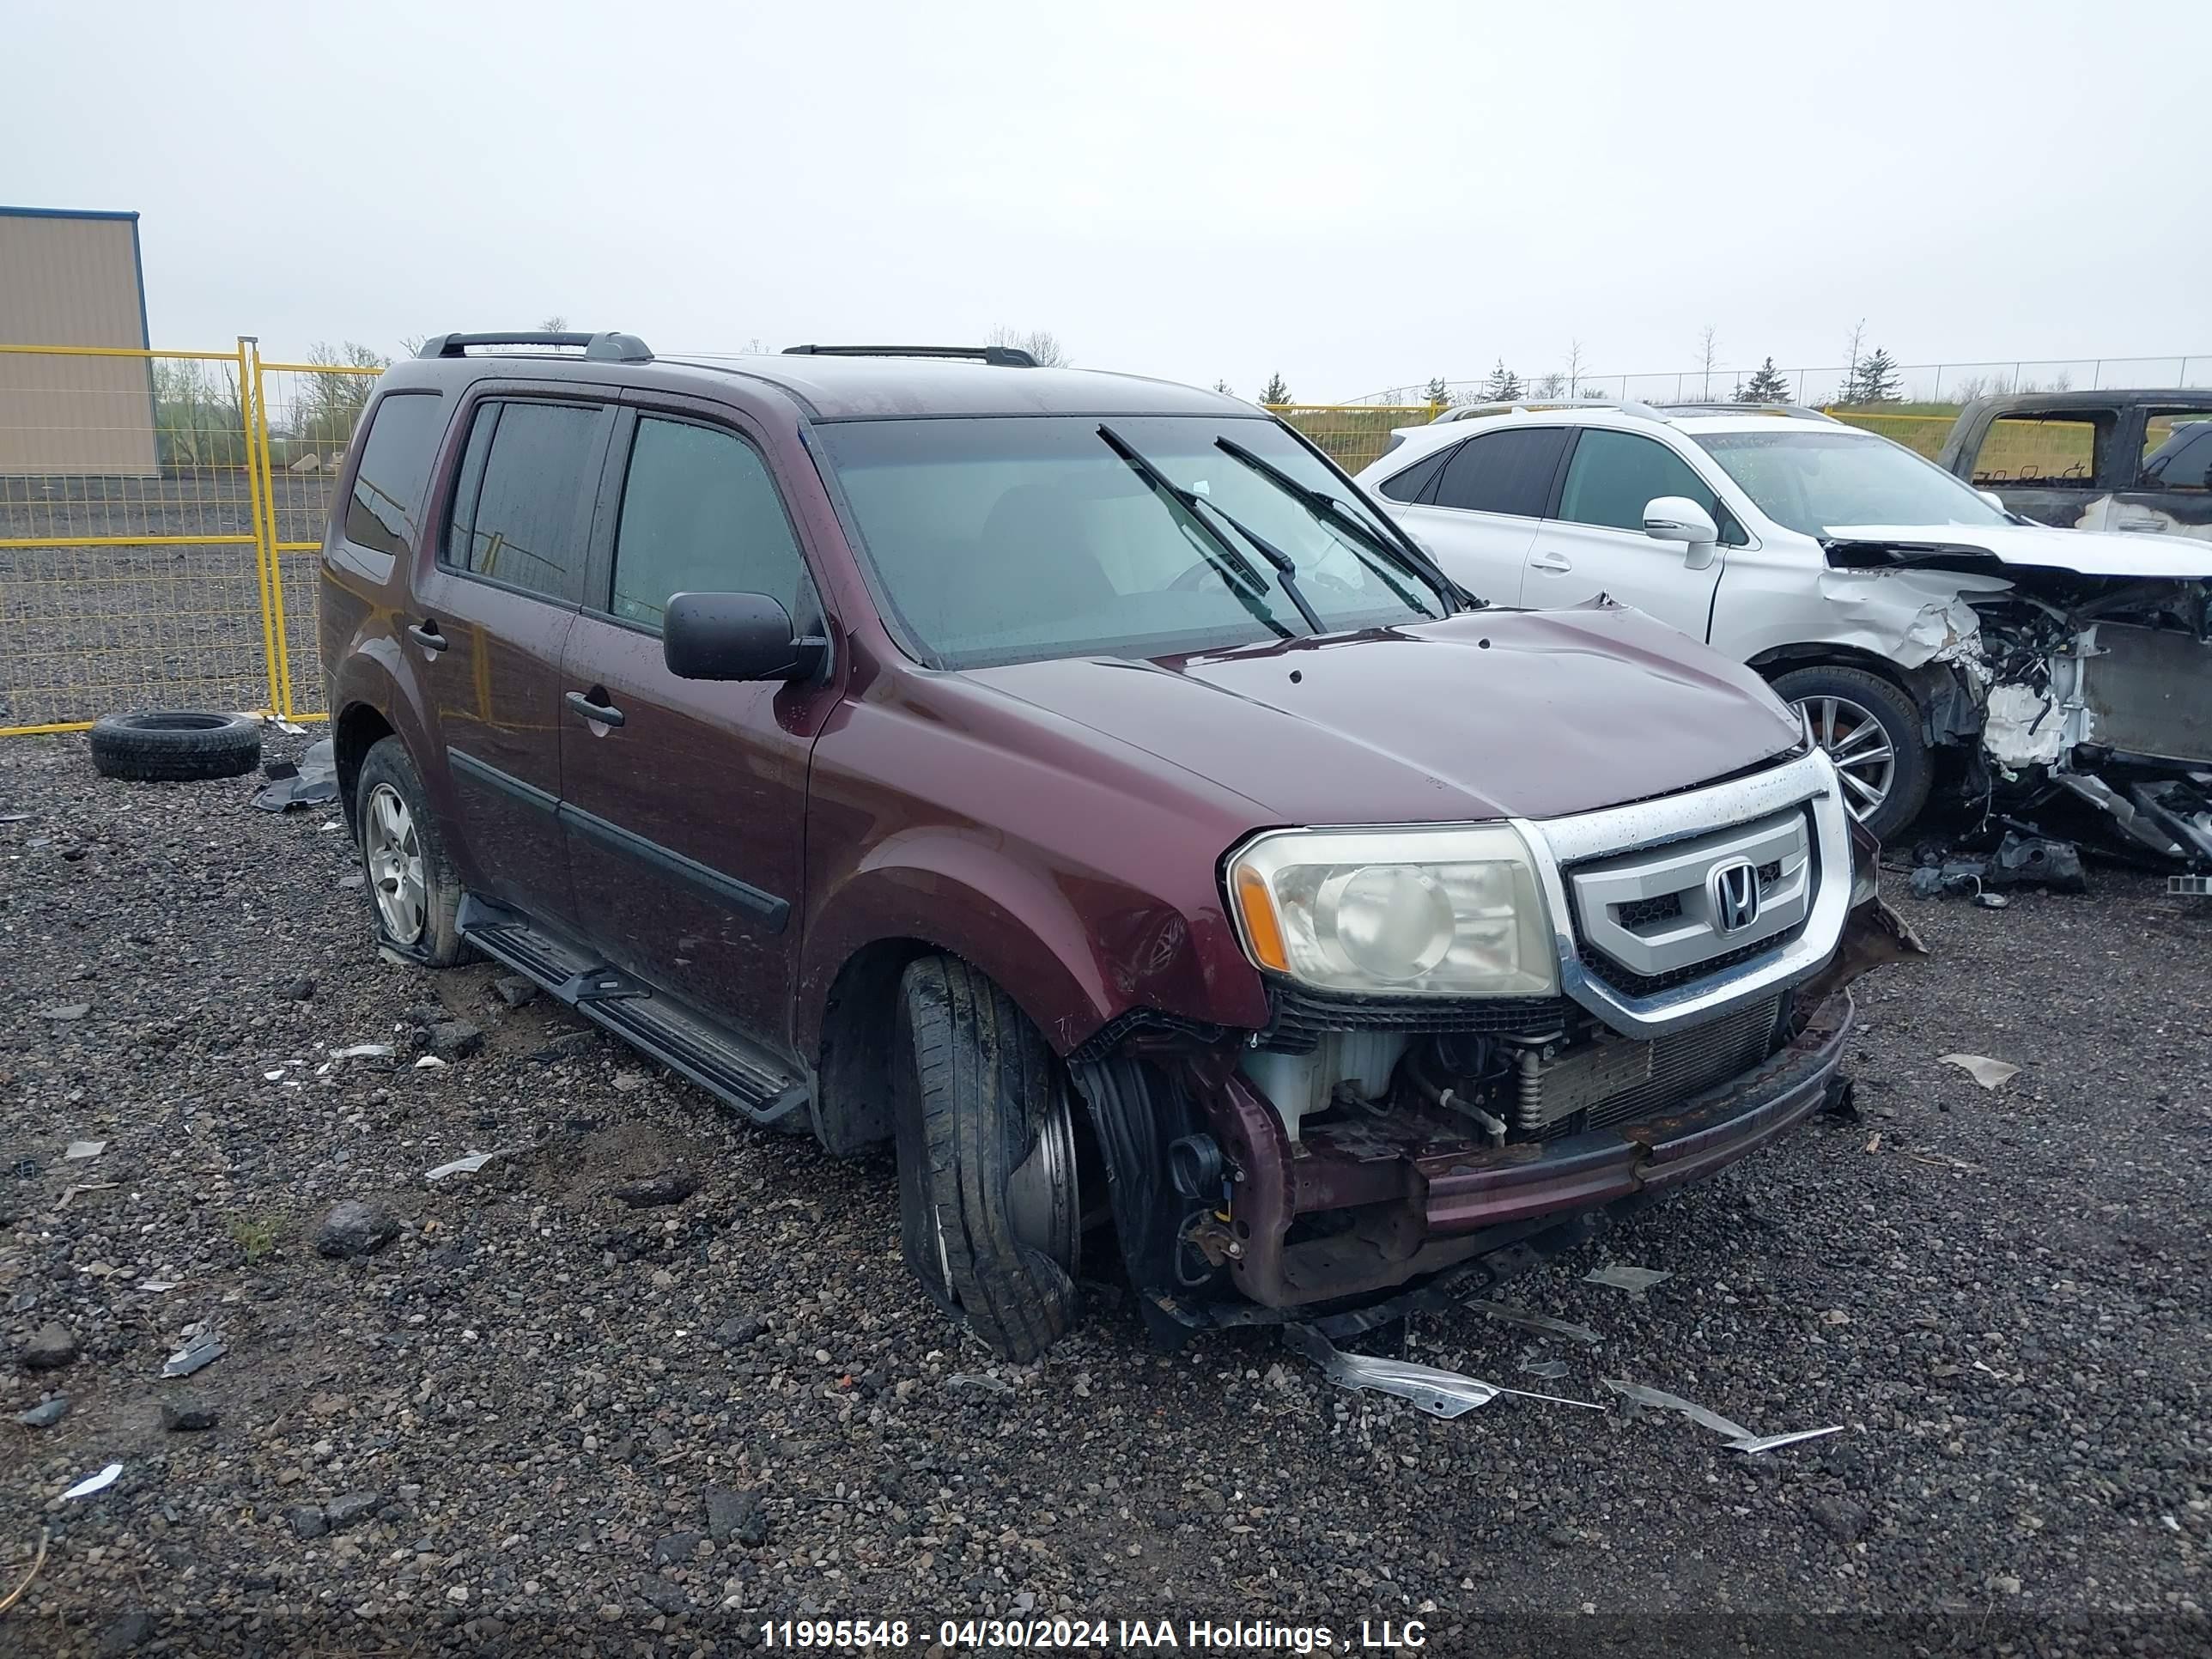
(516, 508)
(1615, 475)
(2047, 452)
(1409, 485)
(1503, 472)
(404, 431)
(699, 514)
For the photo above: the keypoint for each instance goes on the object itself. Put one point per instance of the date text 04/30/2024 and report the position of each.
(993, 1635)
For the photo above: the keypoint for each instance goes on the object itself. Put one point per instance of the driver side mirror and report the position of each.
(1995, 500)
(737, 636)
(1679, 519)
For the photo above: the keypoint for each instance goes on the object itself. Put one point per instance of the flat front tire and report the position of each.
(413, 893)
(988, 1212)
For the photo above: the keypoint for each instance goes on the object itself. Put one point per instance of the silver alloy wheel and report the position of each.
(1041, 1201)
(1861, 751)
(391, 847)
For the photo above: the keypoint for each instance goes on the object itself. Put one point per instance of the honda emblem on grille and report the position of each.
(1734, 888)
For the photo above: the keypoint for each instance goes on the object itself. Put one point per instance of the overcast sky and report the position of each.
(1356, 195)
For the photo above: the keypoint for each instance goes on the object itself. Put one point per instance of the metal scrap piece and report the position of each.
(1437, 1392)
(83, 1148)
(1635, 1281)
(1536, 1321)
(1674, 1403)
(201, 1352)
(1766, 1442)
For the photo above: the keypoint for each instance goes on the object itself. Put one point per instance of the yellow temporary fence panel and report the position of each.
(148, 501)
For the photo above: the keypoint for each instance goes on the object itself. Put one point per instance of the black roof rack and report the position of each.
(604, 348)
(996, 357)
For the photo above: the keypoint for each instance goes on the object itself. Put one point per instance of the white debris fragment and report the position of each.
(427, 1062)
(1621, 1276)
(1989, 1074)
(1767, 1443)
(83, 1148)
(363, 1051)
(467, 1164)
(1536, 1321)
(1674, 1403)
(91, 1484)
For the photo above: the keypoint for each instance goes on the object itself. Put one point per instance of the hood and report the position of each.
(2085, 552)
(1501, 713)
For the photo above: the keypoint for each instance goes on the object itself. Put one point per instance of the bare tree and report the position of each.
(1553, 385)
(557, 324)
(1040, 344)
(1849, 393)
(1708, 352)
(1578, 367)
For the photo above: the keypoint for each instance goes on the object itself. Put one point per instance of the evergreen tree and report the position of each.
(1876, 375)
(1502, 386)
(1767, 384)
(1275, 392)
(1437, 392)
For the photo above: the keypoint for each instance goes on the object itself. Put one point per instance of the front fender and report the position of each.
(1073, 950)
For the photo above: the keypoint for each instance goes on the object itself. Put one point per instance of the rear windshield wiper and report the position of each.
(1191, 501)
(1392, 544)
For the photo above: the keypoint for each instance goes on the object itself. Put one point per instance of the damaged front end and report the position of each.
(1673, 996)
(2072, 687)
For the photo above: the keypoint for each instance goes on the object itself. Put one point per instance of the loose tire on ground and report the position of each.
(1901, 726)
(973, 1082)
(174, 745)
(434, 939)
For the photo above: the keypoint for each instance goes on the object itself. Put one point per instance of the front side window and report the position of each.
(1507, 471)
(1817, 480)
(699, 514)
(998, 539)
(515, 511)
(403, 430)
(1614, 475)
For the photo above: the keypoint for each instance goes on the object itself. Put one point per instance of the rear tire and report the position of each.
(413, 894)
(1840, 703)
(174, 745)
(980, 1106)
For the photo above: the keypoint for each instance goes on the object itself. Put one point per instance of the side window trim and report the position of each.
(465, 489)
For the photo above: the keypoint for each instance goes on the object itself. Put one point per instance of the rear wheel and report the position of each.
(412, 890)
(1871, 731)
(989, 1216)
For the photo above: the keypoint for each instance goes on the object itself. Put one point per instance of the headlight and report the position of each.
(1447, 912)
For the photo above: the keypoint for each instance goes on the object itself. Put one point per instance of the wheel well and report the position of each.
(354, 733)
(1781, 658)
(852, 1094)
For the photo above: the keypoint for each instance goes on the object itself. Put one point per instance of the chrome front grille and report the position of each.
(1664, 915)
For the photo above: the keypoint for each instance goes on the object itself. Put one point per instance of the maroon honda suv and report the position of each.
(1072, 779)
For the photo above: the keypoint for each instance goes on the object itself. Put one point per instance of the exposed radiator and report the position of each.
(1614, 1080)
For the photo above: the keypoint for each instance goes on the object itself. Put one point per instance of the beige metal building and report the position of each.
(73, 279)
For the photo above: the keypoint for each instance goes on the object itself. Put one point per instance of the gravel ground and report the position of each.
(538, 1418)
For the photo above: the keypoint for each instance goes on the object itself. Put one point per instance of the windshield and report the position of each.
(1016, 539)
(1815, 481)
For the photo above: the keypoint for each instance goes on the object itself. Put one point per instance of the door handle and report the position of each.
(605, 714)
(426, 634)
(1552, 561)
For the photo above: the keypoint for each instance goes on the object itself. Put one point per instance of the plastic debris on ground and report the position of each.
(1439, 1393)
(1739, 1439)
(313, 781)
(66, 1010)
(100, 1482)
(1989, 1074)
(1621, 1276)
(468, 1163)
(197, 1354)
(2018, 861)
(1548, 1370)
(427, 1063)
(83, 1148)
(1536, 1321)
(363, 1051)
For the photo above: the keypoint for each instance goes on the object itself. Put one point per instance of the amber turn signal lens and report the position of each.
(1261, 931)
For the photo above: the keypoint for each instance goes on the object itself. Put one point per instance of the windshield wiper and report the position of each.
(1190, 500)
(1392, 544)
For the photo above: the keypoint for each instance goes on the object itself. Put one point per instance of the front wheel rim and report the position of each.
(1865, 757)
(392, 849)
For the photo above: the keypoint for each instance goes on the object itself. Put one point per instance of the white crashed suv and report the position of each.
(1901, 610)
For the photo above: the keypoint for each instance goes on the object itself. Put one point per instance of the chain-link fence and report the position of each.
(149, 502)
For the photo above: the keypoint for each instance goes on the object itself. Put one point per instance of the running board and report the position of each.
(719, 1062)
